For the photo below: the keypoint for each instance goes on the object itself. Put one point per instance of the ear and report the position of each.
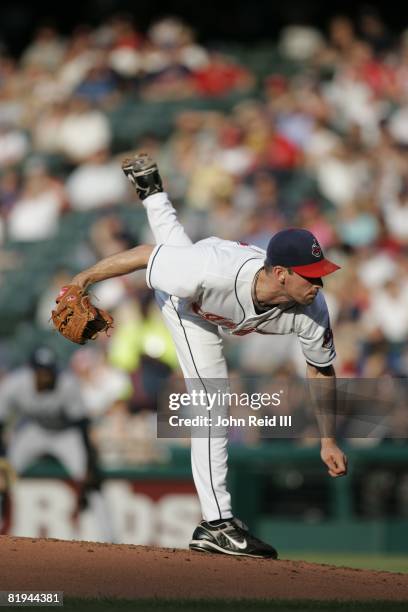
(280, 274)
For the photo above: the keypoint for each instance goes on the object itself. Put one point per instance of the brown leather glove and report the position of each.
(76, 318)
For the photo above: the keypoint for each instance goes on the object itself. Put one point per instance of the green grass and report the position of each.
(222, 605)
(388, 563)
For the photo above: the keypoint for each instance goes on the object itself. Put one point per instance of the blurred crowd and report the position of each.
(321, 144)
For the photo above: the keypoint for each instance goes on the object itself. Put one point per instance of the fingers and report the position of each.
(63, 290)
(336, 474)
(336, 462)
(337, 465)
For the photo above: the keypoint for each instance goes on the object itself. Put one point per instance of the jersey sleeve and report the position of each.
(178, 271)
(315, 334)
(71, 397)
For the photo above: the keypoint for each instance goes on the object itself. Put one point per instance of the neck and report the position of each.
(268, 291)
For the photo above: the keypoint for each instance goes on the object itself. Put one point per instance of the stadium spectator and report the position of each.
(84, 131)
(14, 144)
(46, 49)
(96, 183)
(35, 214)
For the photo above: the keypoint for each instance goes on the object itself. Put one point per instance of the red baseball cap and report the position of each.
(299, 250)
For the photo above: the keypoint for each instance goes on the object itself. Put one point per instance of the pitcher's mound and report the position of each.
(86, 569)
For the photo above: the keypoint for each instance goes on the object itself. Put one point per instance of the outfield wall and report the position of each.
(280, 490)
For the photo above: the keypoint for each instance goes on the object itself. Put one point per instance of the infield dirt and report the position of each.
(87, 569)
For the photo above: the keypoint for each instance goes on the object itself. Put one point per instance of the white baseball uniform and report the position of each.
(201, 287)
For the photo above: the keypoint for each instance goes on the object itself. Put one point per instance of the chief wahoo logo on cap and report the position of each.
(316, 250)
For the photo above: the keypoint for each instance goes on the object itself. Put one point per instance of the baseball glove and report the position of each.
(76, 318)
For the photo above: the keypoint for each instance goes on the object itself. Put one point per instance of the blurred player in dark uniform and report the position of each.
(45, 415)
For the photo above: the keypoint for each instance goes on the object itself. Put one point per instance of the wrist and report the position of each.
(328, 442)
(82, 280)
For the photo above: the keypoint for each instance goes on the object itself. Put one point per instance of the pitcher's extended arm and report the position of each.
(324, 398)
(115, 265)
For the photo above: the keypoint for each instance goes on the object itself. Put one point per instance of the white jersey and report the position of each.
(214, 279)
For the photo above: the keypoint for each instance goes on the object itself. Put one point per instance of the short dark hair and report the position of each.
(268, 267)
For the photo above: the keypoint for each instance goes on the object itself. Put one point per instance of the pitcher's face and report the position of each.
(302, 289)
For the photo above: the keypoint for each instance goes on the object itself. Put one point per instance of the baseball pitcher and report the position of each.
(242, 289)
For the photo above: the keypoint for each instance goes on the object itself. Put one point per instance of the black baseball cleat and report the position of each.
(143, 173)
(231, 537)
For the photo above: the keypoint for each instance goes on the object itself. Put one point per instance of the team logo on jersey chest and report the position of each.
(316, 250)
(213, 318)
(221, 321)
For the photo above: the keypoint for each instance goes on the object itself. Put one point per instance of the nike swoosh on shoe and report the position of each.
(239, 545)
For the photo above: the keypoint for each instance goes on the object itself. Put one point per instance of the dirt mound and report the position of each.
(87, 569)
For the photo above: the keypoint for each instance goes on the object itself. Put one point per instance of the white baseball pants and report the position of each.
(200, 354)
